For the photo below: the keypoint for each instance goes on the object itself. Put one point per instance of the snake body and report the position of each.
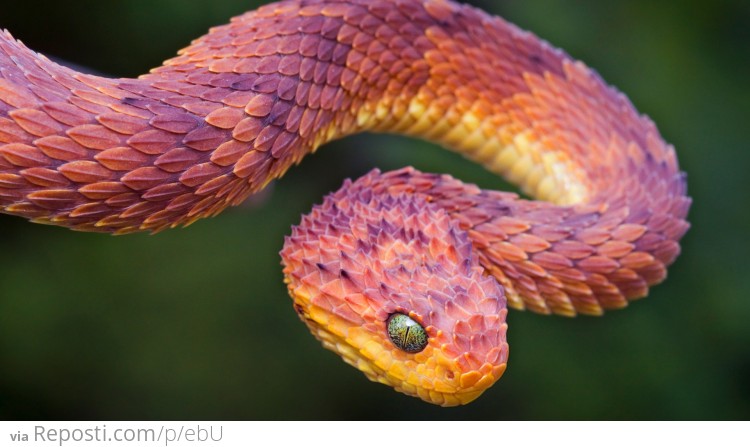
(240, 105)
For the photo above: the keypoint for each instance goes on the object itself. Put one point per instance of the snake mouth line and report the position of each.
(452, 389)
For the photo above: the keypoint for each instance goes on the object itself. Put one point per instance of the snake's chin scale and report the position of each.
(362, 256)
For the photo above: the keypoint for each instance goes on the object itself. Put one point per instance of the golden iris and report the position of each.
(406, 334)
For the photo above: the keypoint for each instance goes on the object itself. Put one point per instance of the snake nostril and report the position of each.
(449, 375)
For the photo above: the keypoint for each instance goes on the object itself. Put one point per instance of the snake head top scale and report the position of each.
(406, 275)
(367, 258)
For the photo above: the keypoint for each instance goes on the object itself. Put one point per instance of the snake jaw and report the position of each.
(361, 257)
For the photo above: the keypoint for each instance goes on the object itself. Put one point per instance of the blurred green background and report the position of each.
(196, 322)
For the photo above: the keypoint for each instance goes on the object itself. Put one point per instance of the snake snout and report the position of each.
(393, 285)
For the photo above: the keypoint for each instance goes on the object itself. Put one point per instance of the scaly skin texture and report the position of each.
(239, 106)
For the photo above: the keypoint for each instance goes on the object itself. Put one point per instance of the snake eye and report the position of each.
(406, 334)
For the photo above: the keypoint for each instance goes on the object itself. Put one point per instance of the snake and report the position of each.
(408, 276)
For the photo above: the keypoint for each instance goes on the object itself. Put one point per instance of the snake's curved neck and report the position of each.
(239, 106)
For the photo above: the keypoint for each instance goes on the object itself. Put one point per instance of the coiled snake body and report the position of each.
(239, 106)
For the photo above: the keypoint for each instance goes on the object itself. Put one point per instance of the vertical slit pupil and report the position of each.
(406, 334)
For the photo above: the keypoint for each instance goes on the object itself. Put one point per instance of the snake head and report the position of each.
(389, 282)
